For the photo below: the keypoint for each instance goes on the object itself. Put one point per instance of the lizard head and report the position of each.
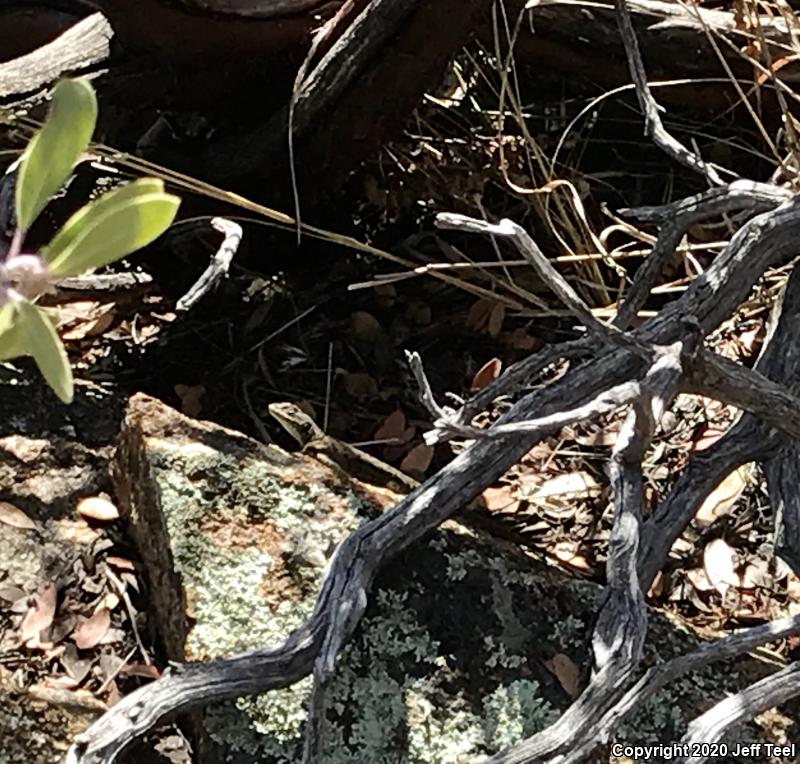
(296, 422)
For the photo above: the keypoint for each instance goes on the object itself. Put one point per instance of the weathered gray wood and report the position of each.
(767, 693)
(80, 48)
(747, 440)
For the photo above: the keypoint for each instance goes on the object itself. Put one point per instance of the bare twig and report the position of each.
(219, 265)
(749, 439)
(621, 628)
(676, 218)
(654, 127)
(533, 255)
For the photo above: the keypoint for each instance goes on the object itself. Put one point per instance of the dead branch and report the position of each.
(760, 696)
(658, 677)
(81, 47)
(653, 126)
(747, 440)
(724, 380)
(622, 625)
(782, 470)
(675, 219)
(219, 265)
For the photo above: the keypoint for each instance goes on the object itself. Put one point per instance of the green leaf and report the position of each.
(12, 343)
(52, 153)
(110, 229)
(92, 211)
(44, 345)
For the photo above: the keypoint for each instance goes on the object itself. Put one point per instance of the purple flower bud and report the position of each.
(28, 273)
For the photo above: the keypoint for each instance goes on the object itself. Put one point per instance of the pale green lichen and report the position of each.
(515, 711)
(498, 654)
(229, 605)
(381, 711)
(440, 735)
(459, 564)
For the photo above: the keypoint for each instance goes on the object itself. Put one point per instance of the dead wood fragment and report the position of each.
(77, 50)
(653, 126)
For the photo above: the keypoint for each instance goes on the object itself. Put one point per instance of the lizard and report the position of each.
(337, 454)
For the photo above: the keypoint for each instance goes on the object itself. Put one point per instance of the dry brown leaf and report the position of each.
(75, 312)
(719, 563)
(121, 563)
(39, 616)
(570, 484)
(567, 673)
(76, 667)
(478, 315)
(90, 327)
(699, 580)
(657, 587)
(91, 631)
(365, 327)
(145, 670)
(190, 396)
(752, 339)
(113, 695)
(76, 531)
(61, 682)
(420, 313)
(680, 547)
(519, 339)
(11, 593)
(360, 385)
(15, 517)
(97, 508)
(487, 374)
(394, 428)
(418, 459)
(602, 438)
(540, 526)
(386, 295)
(722, 499)
(496, 318)
(567, 552)
(499, 498)
(707, 438)
(111, 636)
